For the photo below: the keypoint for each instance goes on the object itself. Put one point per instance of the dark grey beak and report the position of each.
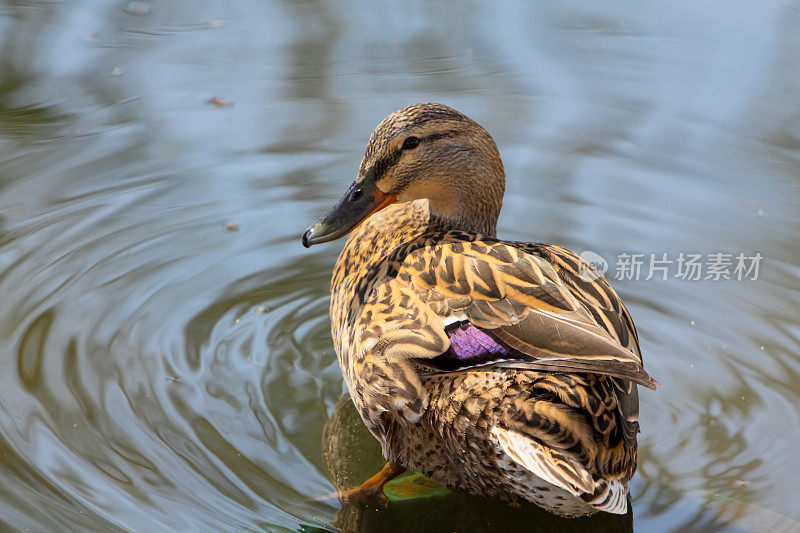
(360, 201)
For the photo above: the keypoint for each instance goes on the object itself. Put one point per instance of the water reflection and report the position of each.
(160, 371)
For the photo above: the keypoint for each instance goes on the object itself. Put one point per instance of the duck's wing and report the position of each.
(541, 307)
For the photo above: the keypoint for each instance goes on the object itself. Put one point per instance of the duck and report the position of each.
(504, 369)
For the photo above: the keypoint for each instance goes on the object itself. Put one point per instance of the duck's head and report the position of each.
(425, 151)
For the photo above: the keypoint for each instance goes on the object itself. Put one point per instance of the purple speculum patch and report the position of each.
(471, 346)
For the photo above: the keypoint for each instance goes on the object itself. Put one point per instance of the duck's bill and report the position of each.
(359, 202)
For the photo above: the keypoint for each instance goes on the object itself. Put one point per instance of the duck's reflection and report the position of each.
(352, 455)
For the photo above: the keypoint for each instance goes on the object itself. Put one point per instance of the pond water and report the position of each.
(165, 354)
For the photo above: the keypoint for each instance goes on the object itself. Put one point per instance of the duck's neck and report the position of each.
(473, 204)
(464, 223)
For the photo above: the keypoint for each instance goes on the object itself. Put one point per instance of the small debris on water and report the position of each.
(137, 8)
(218, 102)
(117, 71)
(760, 212)
(215, 23)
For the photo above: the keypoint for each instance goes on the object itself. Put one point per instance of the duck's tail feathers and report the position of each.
(563, 471)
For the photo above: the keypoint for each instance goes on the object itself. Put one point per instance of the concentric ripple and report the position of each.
(165, 358)
(163, 377)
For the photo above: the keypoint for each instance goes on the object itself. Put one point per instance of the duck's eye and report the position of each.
(356, 194)
(410, 143)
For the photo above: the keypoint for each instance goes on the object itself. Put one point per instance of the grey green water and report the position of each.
(165, 358)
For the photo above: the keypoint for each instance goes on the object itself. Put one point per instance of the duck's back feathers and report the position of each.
(519, 299)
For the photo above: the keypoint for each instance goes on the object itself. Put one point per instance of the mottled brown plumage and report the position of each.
(554, 418)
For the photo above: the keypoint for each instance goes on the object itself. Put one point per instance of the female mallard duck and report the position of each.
(505, 369)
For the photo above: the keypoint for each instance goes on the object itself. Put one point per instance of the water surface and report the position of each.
(165, 356)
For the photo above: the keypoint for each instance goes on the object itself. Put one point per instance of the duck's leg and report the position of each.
(370, 493)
